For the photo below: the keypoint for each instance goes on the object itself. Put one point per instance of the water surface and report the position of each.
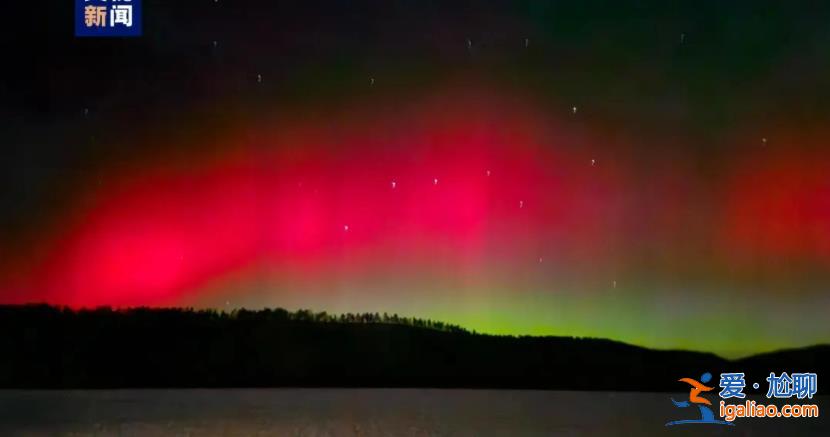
(363, 412)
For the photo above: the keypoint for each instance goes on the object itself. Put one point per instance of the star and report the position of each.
(435, 181)
(573, 110)
(345, 228)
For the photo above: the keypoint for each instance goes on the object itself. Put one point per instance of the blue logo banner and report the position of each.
(105, 18)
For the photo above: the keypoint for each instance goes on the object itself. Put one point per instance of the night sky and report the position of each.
(646, 171)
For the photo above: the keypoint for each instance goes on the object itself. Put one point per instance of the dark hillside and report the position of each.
(49, 347)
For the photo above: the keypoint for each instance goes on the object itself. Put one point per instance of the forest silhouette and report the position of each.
(57, 347)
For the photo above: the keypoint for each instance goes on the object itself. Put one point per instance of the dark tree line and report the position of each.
(304, 315)
(50, 347)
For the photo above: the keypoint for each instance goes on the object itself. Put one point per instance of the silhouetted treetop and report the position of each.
(57, 347)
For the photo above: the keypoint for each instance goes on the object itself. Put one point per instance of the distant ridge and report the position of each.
(53, 347)
(790, 360)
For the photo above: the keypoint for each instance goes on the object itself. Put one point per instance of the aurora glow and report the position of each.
(473, 198)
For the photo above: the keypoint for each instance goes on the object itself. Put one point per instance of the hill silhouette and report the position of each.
(54, 347)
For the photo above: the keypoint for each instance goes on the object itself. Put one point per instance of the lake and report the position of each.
(364, 412)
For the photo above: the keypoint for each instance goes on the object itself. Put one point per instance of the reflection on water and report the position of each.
(363, 412)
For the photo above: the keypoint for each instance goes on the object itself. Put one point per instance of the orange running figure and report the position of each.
(697, 387)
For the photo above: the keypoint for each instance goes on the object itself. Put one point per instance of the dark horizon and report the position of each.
(377, 317)
(177, 348)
